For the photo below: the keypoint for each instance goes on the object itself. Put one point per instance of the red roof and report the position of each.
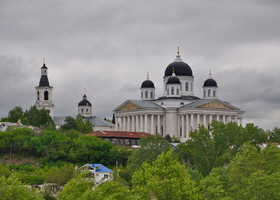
(118, 134)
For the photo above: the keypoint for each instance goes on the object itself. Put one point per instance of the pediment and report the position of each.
(129, 106)
(216, 105)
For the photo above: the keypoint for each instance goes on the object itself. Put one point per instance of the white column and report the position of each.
(224, 119)
(133, 123)
(128, 123)
(141, 123)
(218, 118)
(158, 124)
(146, 123)
(204, 121)
(187, 126)
(137, 123)
(124, 124)
(183, 125)
(210, 119)
(192, 122)
(152, 125)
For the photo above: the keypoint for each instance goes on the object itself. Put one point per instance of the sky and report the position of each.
(109, 46)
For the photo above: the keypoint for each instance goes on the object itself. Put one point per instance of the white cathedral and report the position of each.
(44, 100)
(178, 111)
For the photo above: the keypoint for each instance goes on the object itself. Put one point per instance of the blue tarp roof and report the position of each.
(102, 168)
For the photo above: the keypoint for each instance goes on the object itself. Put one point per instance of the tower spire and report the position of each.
(85, 91)
(148, 76)
(178, 50)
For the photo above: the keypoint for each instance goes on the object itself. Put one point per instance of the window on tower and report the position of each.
(152, 94)
(187, 86)
(46, 95)
(38, 95)
(177, 91)
(204, 94)
(209, 93)
(146, 94)
(172, 90)
(214, 93)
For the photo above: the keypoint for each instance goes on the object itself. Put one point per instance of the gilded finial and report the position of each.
(173, 71)
(147, 74)
(178, 50)
(210, 73)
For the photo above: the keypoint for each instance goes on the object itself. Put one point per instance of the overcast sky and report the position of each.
(108, 46)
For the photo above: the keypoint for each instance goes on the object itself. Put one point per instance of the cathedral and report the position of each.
(44, 100)
(178, 111)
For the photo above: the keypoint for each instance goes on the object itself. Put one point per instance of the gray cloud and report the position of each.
(108, 46)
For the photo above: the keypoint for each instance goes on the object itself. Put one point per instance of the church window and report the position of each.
(86, 110)
(46, 95)
(152, 95)
(214, 93)
(177, 91)
(142, 95)
(38, 95)
(172, 90)
(167, 91)
(82, 110)
(204, 94)
(209, 93)
(146, 94)
(187, 86)
(191, 86)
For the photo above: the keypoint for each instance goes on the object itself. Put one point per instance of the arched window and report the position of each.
(152, 94)
(204, 94)
(187, 86)
(46, 95)
(177, 91)
(142, 95)
(86, 110)
(209, 93)
(172, 90)
(214, 93)
(146, 94)
(167, 91)
(82, 110)
(38, 95)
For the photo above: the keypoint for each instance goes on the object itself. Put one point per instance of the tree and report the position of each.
(150, 148)
(11, 188)
(15, 114)
(164, 179)
(39, 118)
(75, 188)
(110, 190)
(79, 124)
(217, 145)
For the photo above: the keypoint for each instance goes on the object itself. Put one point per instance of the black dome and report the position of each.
(173, 80)
(44, 81)
(84, 102)
(147, 84)
(210, 83)
(180, 68)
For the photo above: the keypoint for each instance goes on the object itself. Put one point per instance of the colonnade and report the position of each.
(183, 123)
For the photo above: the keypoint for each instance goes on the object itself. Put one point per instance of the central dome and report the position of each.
(147, 84)
(180, 68)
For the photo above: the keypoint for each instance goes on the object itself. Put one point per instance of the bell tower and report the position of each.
(44, 92)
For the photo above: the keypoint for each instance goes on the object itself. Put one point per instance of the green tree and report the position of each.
(110, 190)
(150, 148)
(75, 188)
(39, 118)
(164, 179)
(11, 188)
(15, 114)
(83, 125)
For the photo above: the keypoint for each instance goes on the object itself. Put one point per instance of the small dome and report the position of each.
(210, 83)
(147, 84)
(84, 102)
(173, 80)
